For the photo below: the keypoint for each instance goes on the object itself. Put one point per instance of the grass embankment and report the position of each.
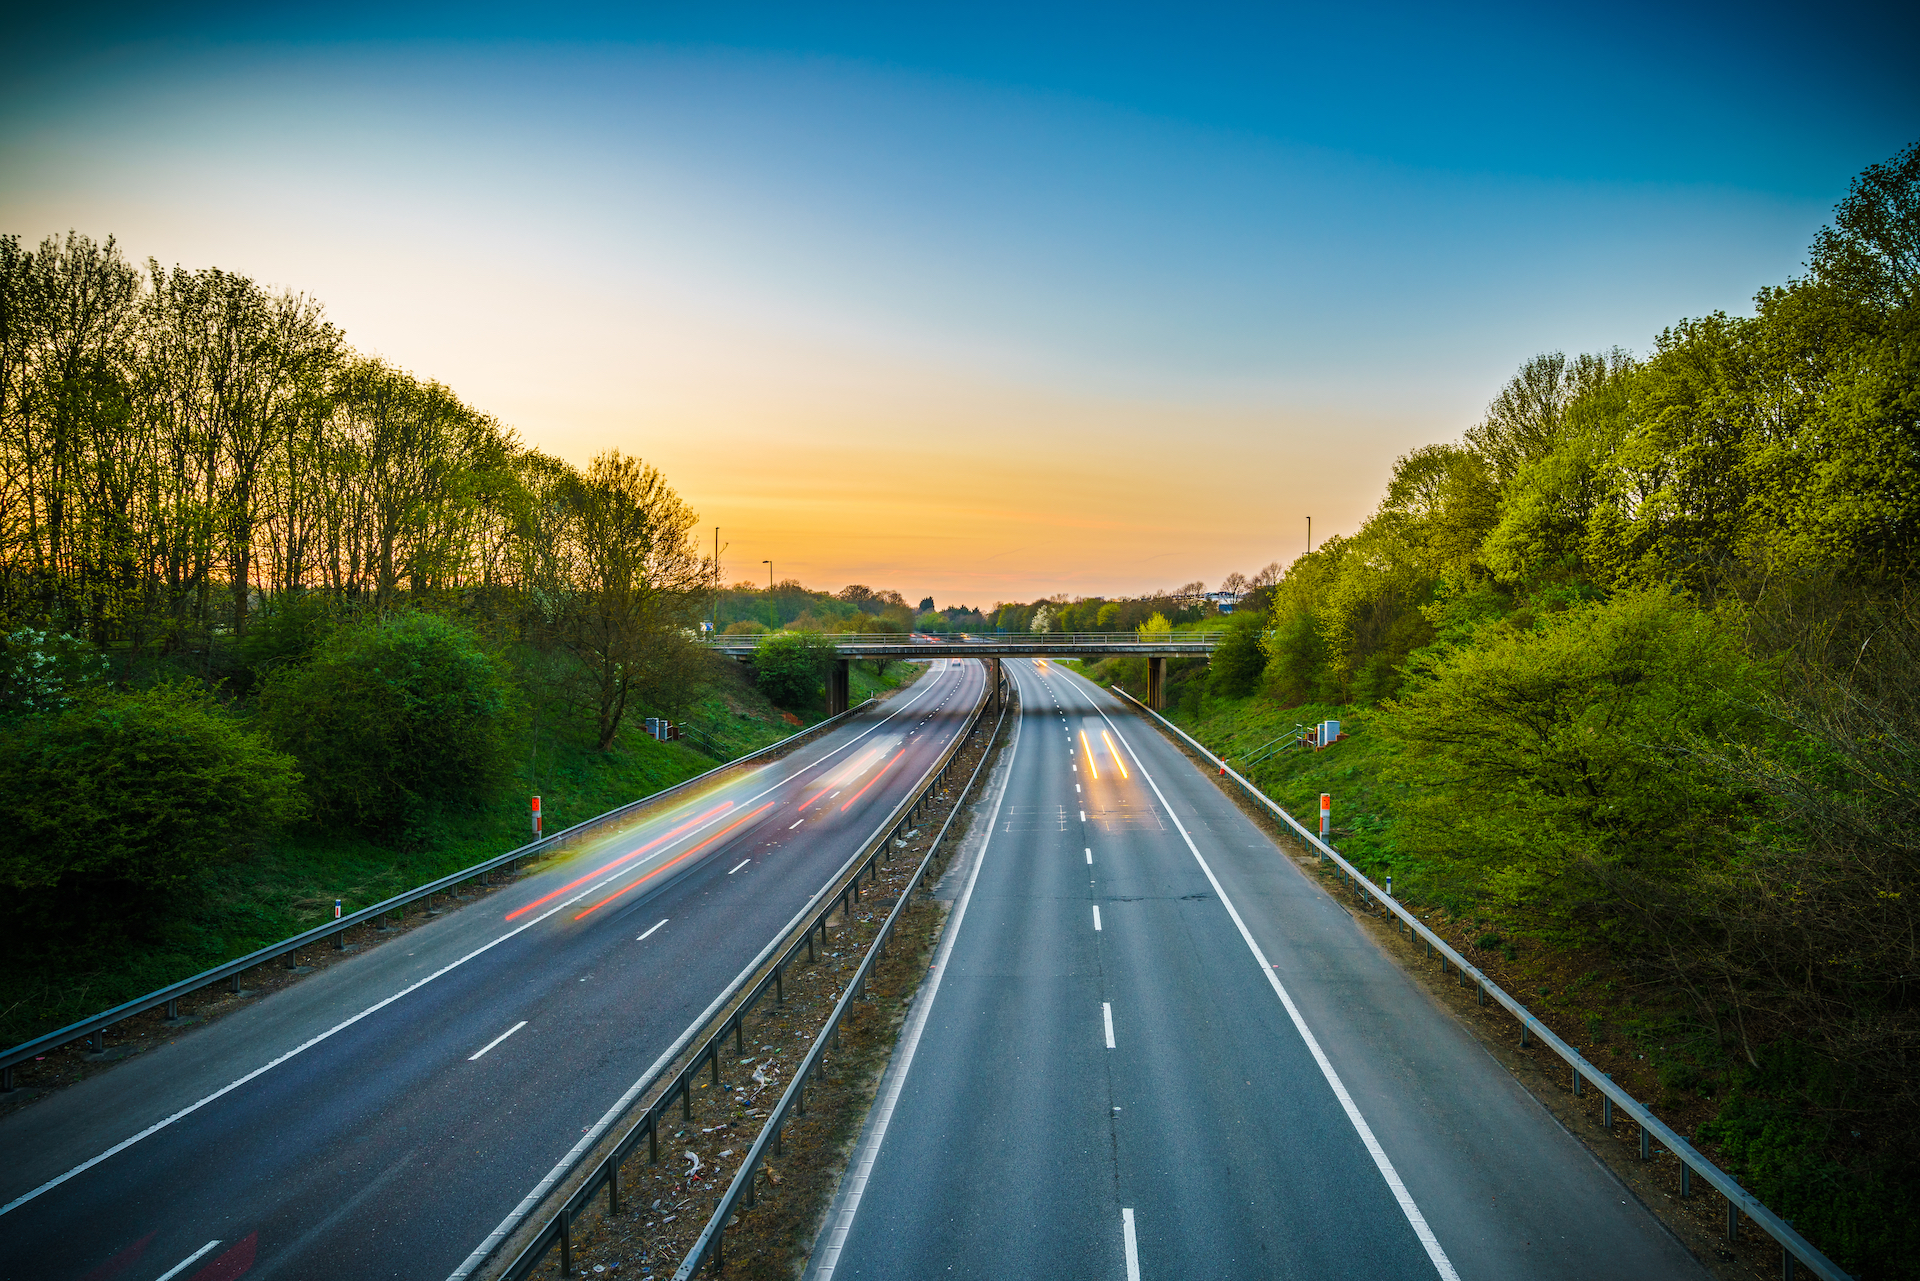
(291, 886)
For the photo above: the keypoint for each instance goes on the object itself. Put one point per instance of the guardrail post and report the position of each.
(173, 1009)
(779, 985)
(1646, 1145)
(6, 1081)
(686, 1098)
(1606, 1108)
(1576, 1083)
(713, 1058)
(653, 1138)
(1733, 1220)
(1479, 992)
(1523, 1034)
(1686, 1180)
(566, 1242)
(613, 1185)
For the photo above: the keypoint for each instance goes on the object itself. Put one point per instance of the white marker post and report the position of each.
(536, 818)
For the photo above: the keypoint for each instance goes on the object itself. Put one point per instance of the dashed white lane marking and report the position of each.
(1089, 858)
(182, 1266)
(1096, 917)
(1133, 1245)
(1076, 787)
(796, 824)
(737, 866)
(1106, 1016)
(1083, 816)
(496, 1040)
(650, 929)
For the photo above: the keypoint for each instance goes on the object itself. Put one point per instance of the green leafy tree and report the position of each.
(1550, 768)
(147, 788)
(790, 666)
(395, 721)
(1241, 660)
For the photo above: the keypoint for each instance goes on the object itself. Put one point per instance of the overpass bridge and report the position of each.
(1156, 648)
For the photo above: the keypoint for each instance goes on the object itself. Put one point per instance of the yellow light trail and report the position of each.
(1115, 753)
(1089, 750)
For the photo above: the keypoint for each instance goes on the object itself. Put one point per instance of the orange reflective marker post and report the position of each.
(1326, 814)
(536, 818)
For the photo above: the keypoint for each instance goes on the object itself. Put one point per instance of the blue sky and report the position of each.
(983, 301)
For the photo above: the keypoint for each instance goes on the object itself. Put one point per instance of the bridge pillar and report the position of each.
(993, 683)
(839, 685)
(1157, 682)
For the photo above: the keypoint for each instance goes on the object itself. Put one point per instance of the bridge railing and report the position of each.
(1173, 640)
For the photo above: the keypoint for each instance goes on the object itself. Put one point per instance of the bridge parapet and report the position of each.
(1004, 645)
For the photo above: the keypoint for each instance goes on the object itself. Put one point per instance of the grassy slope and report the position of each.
(291, 886)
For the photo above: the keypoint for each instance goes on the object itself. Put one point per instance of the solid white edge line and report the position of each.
(496, 1040)
(650, 929)
(862, 1165)
(1106, 1017)
(185, 1263)
(1096, 917)
(1132, 1244)
(1415, 1219)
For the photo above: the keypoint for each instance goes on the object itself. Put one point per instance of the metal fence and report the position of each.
(739, 1193)
(1794, 1248)
(839, 894)
(95, 1026)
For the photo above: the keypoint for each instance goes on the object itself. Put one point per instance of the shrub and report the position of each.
(149, 788)
(789, 667)
(1552, 768)
(1241, 660)
(396, 721)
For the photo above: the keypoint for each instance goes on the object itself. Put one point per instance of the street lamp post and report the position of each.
(769, 565)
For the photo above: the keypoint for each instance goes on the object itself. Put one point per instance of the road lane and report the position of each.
(396, 1097)
(1211, 1140)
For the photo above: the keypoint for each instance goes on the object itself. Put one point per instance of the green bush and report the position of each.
(1554, 768)
(1241, 659)
(789, 667)
(148, 788)
(396, 722)
(40, 671)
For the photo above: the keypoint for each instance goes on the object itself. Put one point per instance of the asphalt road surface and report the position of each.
(1152, 1047)
(380, 1118)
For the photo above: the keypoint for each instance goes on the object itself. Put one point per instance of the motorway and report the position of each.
(1152, 1047)
(381, 1117)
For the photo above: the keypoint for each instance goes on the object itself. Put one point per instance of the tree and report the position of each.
(148, 788)
(1240, 660)
(395, 722)
(789, 667)
(638, 585)
(1871, 250)
(1549, 765)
